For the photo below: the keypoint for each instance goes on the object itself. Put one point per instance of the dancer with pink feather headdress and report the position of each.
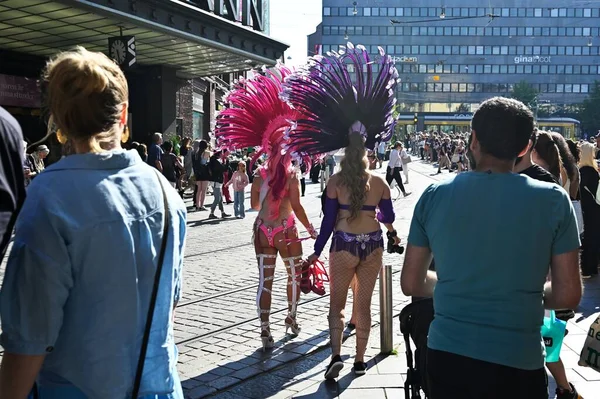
(257, 117)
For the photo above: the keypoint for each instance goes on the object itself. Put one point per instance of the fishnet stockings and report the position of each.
(343, 266)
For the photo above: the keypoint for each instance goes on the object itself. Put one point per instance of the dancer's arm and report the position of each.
(330, 214)
(255, 192)
(294, 195)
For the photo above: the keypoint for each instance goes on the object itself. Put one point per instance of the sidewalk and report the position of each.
(303, 378)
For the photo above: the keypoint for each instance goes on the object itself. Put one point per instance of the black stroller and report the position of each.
(415, 319)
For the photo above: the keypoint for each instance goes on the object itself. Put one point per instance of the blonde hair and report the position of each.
(353, 174)
(86, 93)
(588, 155)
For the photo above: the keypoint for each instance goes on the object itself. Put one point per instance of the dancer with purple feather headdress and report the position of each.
(348, 105)
(257, 117)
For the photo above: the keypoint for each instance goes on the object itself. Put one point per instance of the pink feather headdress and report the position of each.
(256, 116)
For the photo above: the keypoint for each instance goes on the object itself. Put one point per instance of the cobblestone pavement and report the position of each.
(217, 329)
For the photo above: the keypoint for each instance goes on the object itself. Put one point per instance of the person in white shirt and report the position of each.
(395, 167)
(404, 158)
(381, 153)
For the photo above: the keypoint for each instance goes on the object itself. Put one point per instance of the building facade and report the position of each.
(453, 54)
(178, 57)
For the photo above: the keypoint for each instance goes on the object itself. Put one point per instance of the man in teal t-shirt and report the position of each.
(494, 234)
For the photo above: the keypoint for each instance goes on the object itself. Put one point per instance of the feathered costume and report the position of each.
(342, 94)
(333, 101)
(256, 116)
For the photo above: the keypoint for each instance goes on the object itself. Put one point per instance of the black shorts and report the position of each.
(453, 376)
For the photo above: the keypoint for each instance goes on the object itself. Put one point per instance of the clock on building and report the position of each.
(117, 51)
(122, 50)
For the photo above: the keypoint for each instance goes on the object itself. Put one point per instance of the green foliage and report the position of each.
(525, 93)
(463, 108)
(176, 140)
(590, 115)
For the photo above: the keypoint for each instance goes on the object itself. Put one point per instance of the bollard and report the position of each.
(386, 329)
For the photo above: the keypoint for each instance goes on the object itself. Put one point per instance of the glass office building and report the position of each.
(454, 53)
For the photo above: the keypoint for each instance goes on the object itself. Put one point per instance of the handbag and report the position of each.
(407, 159)
(161, 257)
(590, 353)
(578, 215)
(455, 158)
(553, 333)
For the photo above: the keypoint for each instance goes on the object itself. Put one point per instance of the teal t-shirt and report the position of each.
(492, 237)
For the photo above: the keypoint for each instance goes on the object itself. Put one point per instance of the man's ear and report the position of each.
(474, 141)
(526, 149)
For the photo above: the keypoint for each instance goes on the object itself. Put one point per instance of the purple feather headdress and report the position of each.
(336, 103)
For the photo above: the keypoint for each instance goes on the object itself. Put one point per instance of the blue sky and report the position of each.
(291, 22)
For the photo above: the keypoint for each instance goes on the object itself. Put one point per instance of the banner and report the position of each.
(17, 91)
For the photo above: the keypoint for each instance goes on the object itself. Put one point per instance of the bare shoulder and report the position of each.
(334, 179)
(377, 181)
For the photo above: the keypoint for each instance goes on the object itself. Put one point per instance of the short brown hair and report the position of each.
(85, 93)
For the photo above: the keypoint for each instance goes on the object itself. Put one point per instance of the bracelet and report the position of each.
(312, 231)
(392, 234)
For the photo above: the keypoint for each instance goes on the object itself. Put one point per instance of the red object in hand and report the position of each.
(313, 276)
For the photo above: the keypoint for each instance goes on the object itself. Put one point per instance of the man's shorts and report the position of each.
(381, 156)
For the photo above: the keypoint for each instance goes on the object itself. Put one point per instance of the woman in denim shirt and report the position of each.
(79, 278)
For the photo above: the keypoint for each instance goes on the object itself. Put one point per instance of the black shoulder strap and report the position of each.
(161, 258)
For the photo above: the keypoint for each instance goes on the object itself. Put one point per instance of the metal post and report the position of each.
(385, 308)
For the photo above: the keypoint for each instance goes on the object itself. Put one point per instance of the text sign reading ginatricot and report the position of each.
(532, 59)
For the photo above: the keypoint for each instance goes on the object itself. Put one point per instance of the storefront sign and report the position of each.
(532, 59)
(405, 59)
(17, 91)
(198, 102)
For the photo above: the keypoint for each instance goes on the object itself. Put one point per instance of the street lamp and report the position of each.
(590, 42)
(355, 11)
(346, 37)
(443, 13)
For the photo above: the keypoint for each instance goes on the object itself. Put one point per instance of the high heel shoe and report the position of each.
(267, 340)
(293, 325)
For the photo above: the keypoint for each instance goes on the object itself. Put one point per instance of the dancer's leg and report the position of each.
(266, 257)
(342, 266)
(292, 257)
(366, 277)
(354, 302)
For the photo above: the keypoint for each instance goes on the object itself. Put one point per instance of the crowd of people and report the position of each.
(100, 235)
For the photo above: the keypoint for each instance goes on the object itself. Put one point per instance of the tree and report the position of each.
(590, 117)
(463, 109)
(525, 93)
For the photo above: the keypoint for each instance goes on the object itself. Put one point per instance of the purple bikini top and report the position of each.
(364, 207)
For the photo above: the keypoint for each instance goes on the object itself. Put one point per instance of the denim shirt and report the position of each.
(79, 278)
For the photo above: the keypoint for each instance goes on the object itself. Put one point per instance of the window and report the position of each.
(504, 50)
(562, 12)
(358, 30)
(569, 69)
(505, 12)
(375, 11)
(585, 69)
(544, 69)
(504, 69)
(512, 69)
(520, 69)
(391, 11)
(521, 12)
(335, 11)
(586, 32)
(399, 11)
(479, 50)
(554, 12)
(439, 31)
(528, 69)
(326, 11)
(530, 12)
(496, 69)
(584, 88)
(343, 11)
(327, 30)
(537, 12)
(578, 12)
(383, 12)
(479, 69)
(334, 30)
(367, 12)
(391, 30)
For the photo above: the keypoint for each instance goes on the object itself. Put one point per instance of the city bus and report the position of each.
(461, 123)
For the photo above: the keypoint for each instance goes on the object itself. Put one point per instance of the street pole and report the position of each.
(385, 308)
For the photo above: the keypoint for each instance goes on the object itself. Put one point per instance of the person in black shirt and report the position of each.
(12, 178)
(525, 166)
